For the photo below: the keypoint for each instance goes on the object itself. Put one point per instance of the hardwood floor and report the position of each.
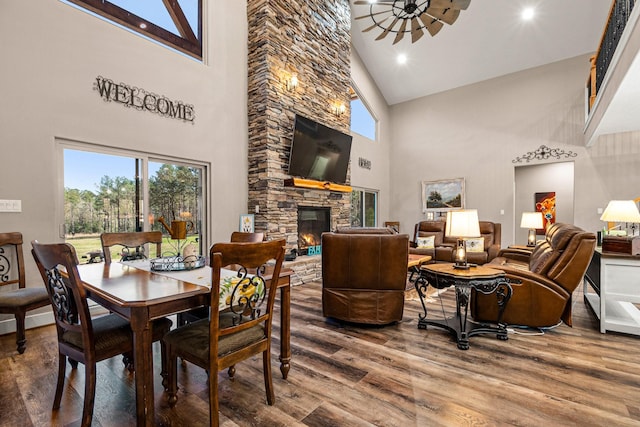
(345, 375)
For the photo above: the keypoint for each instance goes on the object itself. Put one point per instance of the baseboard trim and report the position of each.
(8, 326)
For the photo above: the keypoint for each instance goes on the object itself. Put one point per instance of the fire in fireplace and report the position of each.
(312, 222)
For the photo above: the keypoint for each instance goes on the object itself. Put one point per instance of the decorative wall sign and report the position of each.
(140, 99)
(364, 163)
(546, 203)
(543, 153)
(246, 223)
(443, 195)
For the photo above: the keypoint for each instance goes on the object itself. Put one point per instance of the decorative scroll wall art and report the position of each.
(546, 203)
(543, 153)
(140, 99)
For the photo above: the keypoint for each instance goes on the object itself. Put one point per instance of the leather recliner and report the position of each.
(542, 280)
(364, 275)
(445, 245)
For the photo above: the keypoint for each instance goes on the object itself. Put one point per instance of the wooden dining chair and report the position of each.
(130, 241)
(17, 301)
(203, 312)
(242, 236)
(242, 329)
(81, 338)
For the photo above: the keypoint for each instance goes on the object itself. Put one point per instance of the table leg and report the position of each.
(143, 365)
(285, 330)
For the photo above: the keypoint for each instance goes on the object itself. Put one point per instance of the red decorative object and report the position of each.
(546, 203)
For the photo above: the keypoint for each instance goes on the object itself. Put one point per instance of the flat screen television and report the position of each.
(319, 152)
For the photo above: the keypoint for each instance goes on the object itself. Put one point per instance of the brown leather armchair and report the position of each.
(542, 280)
(364, 275)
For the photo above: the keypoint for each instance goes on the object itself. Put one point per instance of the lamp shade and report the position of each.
(531, 220)
(463, 223)
(621, 211)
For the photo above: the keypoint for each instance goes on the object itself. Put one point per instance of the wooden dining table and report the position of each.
(140, 296)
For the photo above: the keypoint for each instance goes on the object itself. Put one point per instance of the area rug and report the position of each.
(410, 293)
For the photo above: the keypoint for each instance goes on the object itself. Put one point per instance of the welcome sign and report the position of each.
(140, 99)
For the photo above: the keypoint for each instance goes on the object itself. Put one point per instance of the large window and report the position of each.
(175, 23)
(126, 192)
(362, 121)
(364, 208)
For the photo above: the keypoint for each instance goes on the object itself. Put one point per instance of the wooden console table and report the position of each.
(482, 279)
(615, 278)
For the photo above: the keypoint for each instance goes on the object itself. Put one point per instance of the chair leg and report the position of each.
(62, 369)
(21, 338)
(73, 363)
(89, 393)
(213, 399)
(268, 383)
(172, 373)
(163, 363)
(232, 372)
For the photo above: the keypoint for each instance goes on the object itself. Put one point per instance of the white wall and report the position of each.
(51, 54)
(478, 130)
(378, 152)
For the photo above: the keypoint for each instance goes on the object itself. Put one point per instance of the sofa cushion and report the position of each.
(426, 242)
(475, 244)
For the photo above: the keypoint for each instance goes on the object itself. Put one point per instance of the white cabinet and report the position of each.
(615, 278)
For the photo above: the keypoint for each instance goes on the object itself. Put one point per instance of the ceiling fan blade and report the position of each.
(373, 14)
(448, 16)
(432, 25)
(454, 4)
(387, 30)
(376, 24)
(400, 33)
(416, 30)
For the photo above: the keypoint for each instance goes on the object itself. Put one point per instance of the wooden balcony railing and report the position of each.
(618, 17)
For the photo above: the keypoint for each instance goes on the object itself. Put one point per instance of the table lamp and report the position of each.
(461, 224)
(621, 211)
(532, 221)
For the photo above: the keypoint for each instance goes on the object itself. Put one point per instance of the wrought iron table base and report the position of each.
(459, 325)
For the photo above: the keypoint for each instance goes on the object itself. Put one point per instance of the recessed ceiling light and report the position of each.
(402, 58)
(528, 13)
(143, 25)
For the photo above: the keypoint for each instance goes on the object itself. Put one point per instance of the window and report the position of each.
(110, 192)
(177, 24)
(362, 121)
(364, 208)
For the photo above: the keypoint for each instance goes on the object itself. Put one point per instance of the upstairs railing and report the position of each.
(618, 17)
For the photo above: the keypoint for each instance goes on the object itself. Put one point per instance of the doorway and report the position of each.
(547, 178)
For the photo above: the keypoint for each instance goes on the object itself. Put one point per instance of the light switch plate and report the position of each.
(10, 205)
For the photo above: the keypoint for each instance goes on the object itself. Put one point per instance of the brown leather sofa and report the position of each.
(542, 279)
(364, 275)
(444, 245)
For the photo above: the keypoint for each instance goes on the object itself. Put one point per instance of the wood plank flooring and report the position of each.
(346, 375)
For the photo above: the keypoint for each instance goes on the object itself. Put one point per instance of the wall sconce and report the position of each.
(292, 83)
(339, 108)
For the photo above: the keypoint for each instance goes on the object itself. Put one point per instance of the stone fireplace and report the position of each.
(312, 222)
(311, 40)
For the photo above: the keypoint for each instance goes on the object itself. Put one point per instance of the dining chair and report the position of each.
(241, 329)
(17, 301)
(202, 312)
(242, 236)
(130, 241)
(82, 338)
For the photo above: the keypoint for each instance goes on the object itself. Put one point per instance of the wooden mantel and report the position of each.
(316, 185)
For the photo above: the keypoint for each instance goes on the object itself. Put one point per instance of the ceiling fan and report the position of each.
(413, 16)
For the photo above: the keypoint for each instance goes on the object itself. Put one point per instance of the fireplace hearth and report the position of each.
(312, 222)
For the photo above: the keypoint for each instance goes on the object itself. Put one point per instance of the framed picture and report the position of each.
(246, 223)
(443, 195)
(546, 203)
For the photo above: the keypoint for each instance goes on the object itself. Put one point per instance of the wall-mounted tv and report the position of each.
(319, 152)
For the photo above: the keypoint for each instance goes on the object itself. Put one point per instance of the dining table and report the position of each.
(139, 294)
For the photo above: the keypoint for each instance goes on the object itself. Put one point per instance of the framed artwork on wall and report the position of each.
(246, 223)
(546, 203)
(443, 195)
